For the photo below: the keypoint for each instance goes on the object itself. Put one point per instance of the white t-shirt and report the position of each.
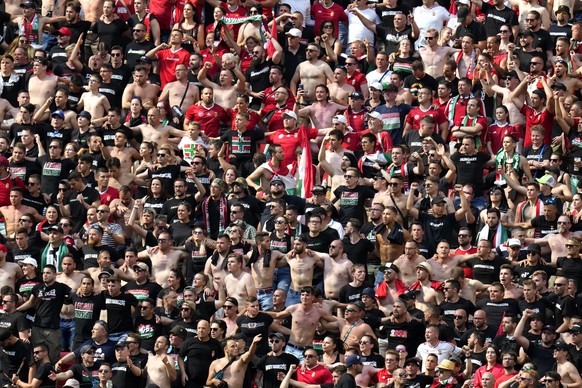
(357, 29)
(435, 17)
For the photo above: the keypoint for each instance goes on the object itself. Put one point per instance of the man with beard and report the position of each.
(402, 330)
(409, 260)
(480, 326)
(562, 80)
(258, 75)
(94, 247)
(148, 92)
(496, 306)
(328, 160)
(351, 196)
(355, 245)
(139, 46)
(322, 110)
(200, 351)
(276, 361)
(159, 368)
(169, 56)
(181, 195)
(215, 267)
(310, 73)
(207, 113)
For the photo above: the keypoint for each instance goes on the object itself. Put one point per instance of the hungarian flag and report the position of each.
(305, 171)
(270, 48)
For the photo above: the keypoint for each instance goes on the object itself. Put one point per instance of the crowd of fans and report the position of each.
(297, 193)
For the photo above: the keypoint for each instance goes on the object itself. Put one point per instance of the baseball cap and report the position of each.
(357, 95)
(191, 305)
(232, 300)
(549, 328)
(426, 266)
(412, 360)
(63, 31)
(369, 291)
(55, 228)
(374, 115)
(28, 4)
(296, 32)
(510, 74)
(58, 113)
(559, 85)
(391, 266)
(141, 265)
(85, 114)
(3, 248)
(527, 33)
(30, 261)
(242, 182)
(105, 272)
(438, 199)
(340, 118)
(391, 88)
(576, 329)
(376, 85)
(277, 335)
(359, 304)
(72, 383)
(514, 242)
(86, 348)
(4, 161)
(534, 248)
(319, 189)
(290, 113)
(354, 359)
(560, 345)
(121, 344)
(277, 180)
(547, 179)
(179, 331)
(144, 59)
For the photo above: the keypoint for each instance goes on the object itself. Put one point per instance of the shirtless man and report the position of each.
(70, 276)
(15, 210)
(337, 269)
(427, 295)
(305, 317)
(561, 76)
(408, 262)
(92, 10)
(391, 237)
(238, 283)
(234, 373)
(155, 131)
(433, 55)
(339, 90)
(352, 328)
(96, 103)
(265, 171)
(163, 257)
(141, 88)
(442, 262)
(302, 265)
(225, 92)
(333, 157)
(320, 112)
(32, 25)
(394, 196)
(557, 241)
(160, 369)
(469, 287)
(263, 262)
(506, 278)
(43, 84)
(510, 82)
(311, 72)
(215, 266)
(180, 93)
(9, 272)
(104, 268)
(126, 155)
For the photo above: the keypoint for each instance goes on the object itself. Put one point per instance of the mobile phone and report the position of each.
(300, 86)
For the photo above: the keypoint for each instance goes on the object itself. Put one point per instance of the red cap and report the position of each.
(3, 248)
(64, 31)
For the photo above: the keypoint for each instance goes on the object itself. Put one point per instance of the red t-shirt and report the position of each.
(317, 375)
(253, 119)
(416, 114)
(108, 195)
(333, 14)
(162, 9)
(545, 118)
(495, 135)
(240, 12)
(122, 12)
(270, 103)
(290, 141)
(168, 62)
(357, 80)
(470, 122)
(352, 141)
(6, 185)
(209, 118)
(356, 120)
(208, 57)
(383, 376)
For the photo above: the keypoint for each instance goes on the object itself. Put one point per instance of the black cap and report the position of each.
(121, 344)
(527, 33)
(561, 346)
(277, 180)
(438, 199)
(563, 8)
(534, 248)
(28, 4)
(408, 295)
(391, 88)
(412, 360)
(359, 304)
(144, 59)
(549, 328)
(357, 95)
(462, 13)
(511, 74)
(55, 228)
(318, 189)
(369, 291)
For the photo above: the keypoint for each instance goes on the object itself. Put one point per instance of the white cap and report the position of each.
(296, 32)
(466, 2)
(340, 118)
(290, 113)
(71, 383)
(377, 85)
(374, 115)
(29, 261)
(513, 242)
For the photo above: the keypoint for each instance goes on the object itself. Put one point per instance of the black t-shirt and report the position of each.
(409, 334)
(486, 271)
(49, 133)
(495, 18)
(414, 84)
(148, 331)
(542, 357)
(167, 175)
(123, 376)
(23, 170)
(57, 55)
(87, 310)
(497, 310)
(469, 167)
(390, 37)
(170, 207)
(544, 226)
(272, 365)
(53, 170)
(420, 381)
(50, 301)
(349, 293)
(258, 75)
(15, 322)
(12, 85)
(565, 307)
(251, 327)
(542, 40)
(448, 309)
(113, 91)
(42, 374)
(78, 210)
(141, 292)
(387, 14)
(119, 311)
(358, 252)
(107, 133)
(32, 252)
(537, 155)
(12, 356)
(525, 271)
(571, 268)
(111, 33)
(437, 229)
(200, 355)
(242, 146)
(352, 202)
(89, 255)
(135, 50)
(85, 375)
(474, 28)
(375, 360)
(541, 306)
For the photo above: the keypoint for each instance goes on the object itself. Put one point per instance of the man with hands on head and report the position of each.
(230, 368)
